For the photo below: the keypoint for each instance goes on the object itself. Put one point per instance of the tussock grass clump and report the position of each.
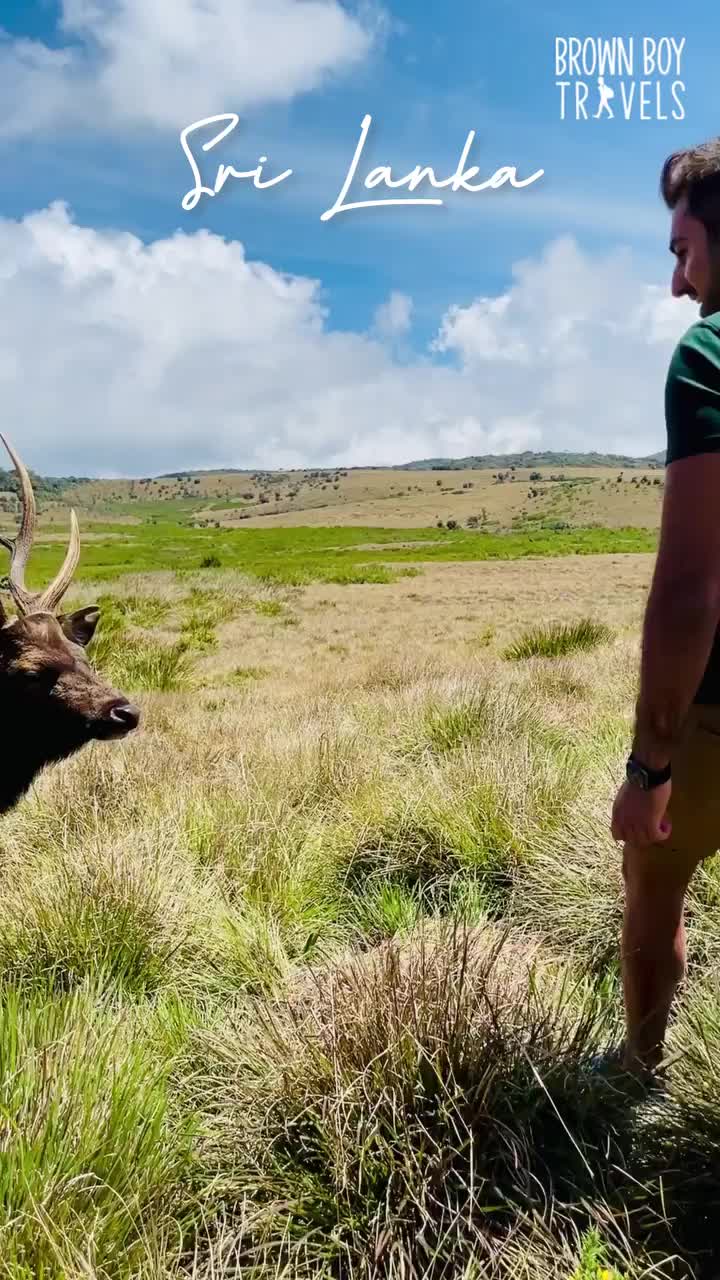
(137, 663)
(214, 606)
(557, 639)
(132, 608)
(242, 676)
(89, 798)
(269, 608)
(561, 684)
(123, 915)
(259, 948)
(397, 676)
(325, 764)
(476, 716)
(151, 668)
(386, 908)
(456, 713)
(94, 1157)
(199, 633)
(423, 844)
(570, 890)
(412, 1111)
(464, 824)
(279, 883)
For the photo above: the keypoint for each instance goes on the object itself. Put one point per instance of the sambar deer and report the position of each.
(52, 700)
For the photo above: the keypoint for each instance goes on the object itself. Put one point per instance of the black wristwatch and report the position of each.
(646, 779)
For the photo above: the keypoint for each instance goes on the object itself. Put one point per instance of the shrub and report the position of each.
(210, 562)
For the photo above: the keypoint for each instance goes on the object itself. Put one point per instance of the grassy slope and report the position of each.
(385, 497)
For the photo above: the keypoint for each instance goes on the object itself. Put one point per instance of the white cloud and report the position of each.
(121, 357)
(393, 318)
(579, 341)
(146, 62)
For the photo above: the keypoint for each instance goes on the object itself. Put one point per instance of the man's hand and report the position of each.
(639, 817)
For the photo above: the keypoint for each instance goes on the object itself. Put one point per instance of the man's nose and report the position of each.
(679, 284)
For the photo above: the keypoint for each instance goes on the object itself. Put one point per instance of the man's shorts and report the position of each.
(694, 808)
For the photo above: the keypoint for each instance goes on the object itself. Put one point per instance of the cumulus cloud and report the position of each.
(125, 63)
(578, 343)
(118, 357)
(393, 318)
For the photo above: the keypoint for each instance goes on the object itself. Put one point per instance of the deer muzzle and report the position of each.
(120, 718)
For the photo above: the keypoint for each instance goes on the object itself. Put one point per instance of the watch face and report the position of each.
(637, 776)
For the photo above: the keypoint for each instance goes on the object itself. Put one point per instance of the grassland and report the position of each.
(304, 555)
(345, 526)
(305, 979)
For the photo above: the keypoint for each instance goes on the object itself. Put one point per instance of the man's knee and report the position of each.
(654, 899)
(657, 871)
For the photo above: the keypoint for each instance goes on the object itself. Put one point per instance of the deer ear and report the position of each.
(3, 615)
(80, 626)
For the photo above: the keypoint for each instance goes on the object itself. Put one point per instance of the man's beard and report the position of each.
(712, 302)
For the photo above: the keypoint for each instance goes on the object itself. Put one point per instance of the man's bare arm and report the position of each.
(683, 609)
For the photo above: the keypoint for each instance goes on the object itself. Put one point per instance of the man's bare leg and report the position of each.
(653, 949)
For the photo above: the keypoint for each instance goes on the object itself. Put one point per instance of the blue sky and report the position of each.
(428, 74)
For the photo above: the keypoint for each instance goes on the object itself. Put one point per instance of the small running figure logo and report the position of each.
(606, 93)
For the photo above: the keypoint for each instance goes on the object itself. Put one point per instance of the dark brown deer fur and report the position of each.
(52, 700)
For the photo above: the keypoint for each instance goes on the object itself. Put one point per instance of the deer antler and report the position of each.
(20, 547)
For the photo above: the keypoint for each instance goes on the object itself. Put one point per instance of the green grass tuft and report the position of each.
(92, 1147)
(147, 667)
(199, 633)
(557, 639)
(242, 676)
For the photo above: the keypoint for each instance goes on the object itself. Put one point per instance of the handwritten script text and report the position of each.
(462, 179)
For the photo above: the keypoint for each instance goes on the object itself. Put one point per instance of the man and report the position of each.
(667, 813)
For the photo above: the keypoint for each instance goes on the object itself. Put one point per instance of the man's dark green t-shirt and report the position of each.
(692, 415)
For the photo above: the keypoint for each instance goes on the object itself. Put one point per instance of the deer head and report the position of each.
(52, 700)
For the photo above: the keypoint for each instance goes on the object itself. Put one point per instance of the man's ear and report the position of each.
(80, 626)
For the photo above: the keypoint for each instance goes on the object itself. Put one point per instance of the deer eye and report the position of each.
(44, 678)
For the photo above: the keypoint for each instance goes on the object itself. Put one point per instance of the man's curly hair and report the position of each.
(694, 174)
